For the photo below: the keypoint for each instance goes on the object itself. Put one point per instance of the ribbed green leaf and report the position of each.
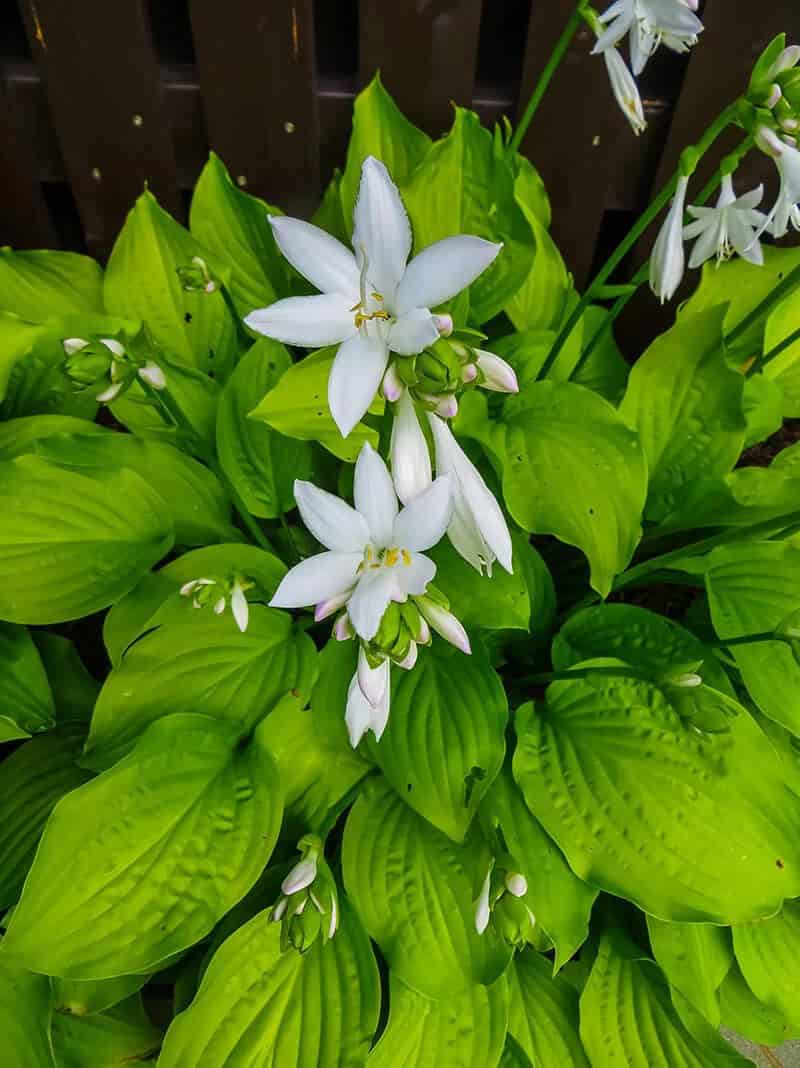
(627, 1016)
(260, 463)
(17, 338)
(560, 901)
(260, 1008)
(457, 1032)
(25, 1012)
(84, 997)
(768, 953)
(690, 827)
(111, 529)
(695, 958)
(18, 436)
(445, 740)
(499, 602)
(110, 1039)
(414, 890)
(32, 779)
(141, 862)
(26, 702)
(544, 1013)
(201, 664)
(41, 285)
(742, 1012)
(74, 689)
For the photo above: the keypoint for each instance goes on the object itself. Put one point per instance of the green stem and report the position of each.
(241, 333)
(662, 198)
(744, 639)
(641, 275)
(790, 282)
(562, 44)
(760, 362)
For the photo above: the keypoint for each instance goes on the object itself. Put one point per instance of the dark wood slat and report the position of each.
(578, 140)
(24, 218)
(256, 65)
(104, 94)
(426, 51)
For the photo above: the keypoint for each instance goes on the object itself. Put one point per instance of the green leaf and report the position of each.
(763, 408)
(380, 129)
(571, 468)
(45, 285)
(540, 302)
(544, 1013)
(18, 436)
(685, 403)
(445, 740)
(742, 1012)
(449, 192)
(297, 406)
(768, 953)
(141, 282)
(25, 1012)
(34, 777)
(329, 215)
(514, 1056)
(695, 958)
(560, 901)
(260, 1008)
(110, 1039)
(414, 891)
(260, 463)
(142, 861)
(192, 495)
(17, 338)
(753, 587)
(26, 702)
(689, 826)
(501, 602)
(234, 227)
(605, 371)
(201, 664)
(74, 689)
(530, 191)
(784, 370)
(627, 1016)
(317, 764)
(84, 997)
(458, 1032)
(111, 529)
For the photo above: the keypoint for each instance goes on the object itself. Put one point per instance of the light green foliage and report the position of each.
(26, 702)
(25, 1011)
(117, 1036)
(544, 1014)
(695, 958)
(44, 285)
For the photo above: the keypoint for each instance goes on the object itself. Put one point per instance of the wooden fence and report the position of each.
(99, 96)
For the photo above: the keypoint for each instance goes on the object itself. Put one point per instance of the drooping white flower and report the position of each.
(787, 160)
(477, 529)
(625, 89)
(667, 260)
(733, 225)
(375, 553)
(371, 303)
(408, 451)
(444, 623)
(649, 23)
(362, 714)
(497, 375)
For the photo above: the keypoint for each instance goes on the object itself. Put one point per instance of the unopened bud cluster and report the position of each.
(773, 95)
(217, 593)
(308, 907)
(104, 367)
(196, 277)
(501, 903)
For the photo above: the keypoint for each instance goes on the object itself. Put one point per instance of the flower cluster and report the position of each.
(103, 366)
(308, 907)
(217, 592)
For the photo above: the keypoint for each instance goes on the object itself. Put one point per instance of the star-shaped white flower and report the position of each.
(375, 552)
(649, 24)
(787, 159)
(731, 226)
(371, 303)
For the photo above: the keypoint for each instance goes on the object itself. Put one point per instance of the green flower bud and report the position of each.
(513, 920)
(196, 277)
(439, 368)
(406, 367)
(389, 629)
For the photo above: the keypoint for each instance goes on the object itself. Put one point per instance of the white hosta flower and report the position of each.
(444, 623)
(497, 375)
(625, 89)
(371, 303)
(649, 23)
(309, 883)
(375, 553)
(787, 160)
(408, 451)
(667, 260)
(363, 714)
(731, 226)
(478, 529)
(204, 591)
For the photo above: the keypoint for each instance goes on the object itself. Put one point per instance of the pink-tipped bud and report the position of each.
(444, 324)
(447, 408)
(497, 374)
(423, 635)
(790, 125)
(333, 604)
(410, 659)
(343, 628)
(392, 384)
(469, 373)
(444, 623)
(768, 141)
(516, 884)
(774, 96)
(790, 141)
(788, 58)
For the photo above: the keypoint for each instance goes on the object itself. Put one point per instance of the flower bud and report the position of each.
(516, 883)
(393, 385)
(439, 368)
(444, 324)
(443, 622)
(497, 374)
(152, 374)
(196, 278)
(343, 628)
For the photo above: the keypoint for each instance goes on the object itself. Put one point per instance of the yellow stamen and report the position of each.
(392, 556)
(406, 557)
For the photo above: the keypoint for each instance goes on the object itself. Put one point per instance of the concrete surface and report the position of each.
(785, 1056)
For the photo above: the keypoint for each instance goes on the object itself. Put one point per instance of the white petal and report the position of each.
(423, 521)
(301, 876)
(317, 579)
(482, 910)
(153, 375)
(360, 715)
(318, 256)
(516, 883)
(307, 321)
(114, 346)
(380, 712)
(445, 624)
(667, 260)
(374, 495)
(442, 270)
(411, 461)
(381, 229)
(370, 600)
(333, 604)
(109, 394)
(497, 374)
(413, 332)
(240, 608)
(355, 377)
(410, 659)
(372, 681)
(331, 520)
(74, 344)
(415, 573)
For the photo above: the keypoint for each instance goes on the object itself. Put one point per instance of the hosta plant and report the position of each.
(390, 675)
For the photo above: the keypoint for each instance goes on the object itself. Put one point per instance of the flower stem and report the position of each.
(690, 158)
(744, 639)
(558, 53)
(545, 677)
(790, 282)
(760, 362)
